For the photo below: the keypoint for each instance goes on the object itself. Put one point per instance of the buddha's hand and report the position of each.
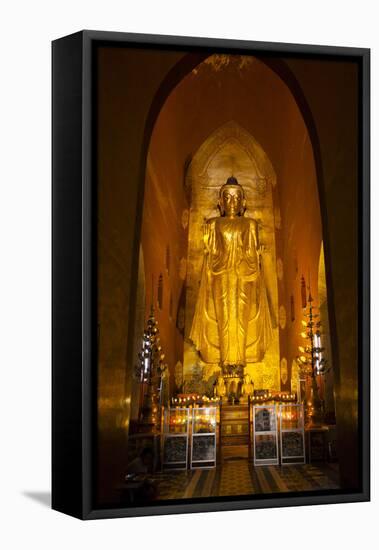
(261, 249)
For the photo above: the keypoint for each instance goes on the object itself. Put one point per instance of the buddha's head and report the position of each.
(232, 199)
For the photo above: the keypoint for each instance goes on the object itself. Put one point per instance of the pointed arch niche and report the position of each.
(230, 115)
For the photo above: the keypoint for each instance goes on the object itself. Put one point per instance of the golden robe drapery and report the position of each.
(231, 324)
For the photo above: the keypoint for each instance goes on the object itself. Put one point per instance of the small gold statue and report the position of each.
(247, 386)
(220, 389)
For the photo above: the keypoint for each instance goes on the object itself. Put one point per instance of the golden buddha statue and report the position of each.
(231, 324)
(247, 389)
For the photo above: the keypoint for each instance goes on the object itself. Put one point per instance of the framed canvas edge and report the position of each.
(275, 501)
(88, 239)
(365, 337)
(228, 43)
(67, 247)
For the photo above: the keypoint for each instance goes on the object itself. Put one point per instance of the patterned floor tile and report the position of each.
(241, 477)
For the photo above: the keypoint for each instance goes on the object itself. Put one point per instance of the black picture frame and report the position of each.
(74, 328)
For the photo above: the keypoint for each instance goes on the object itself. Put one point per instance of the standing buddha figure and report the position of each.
(231, 311)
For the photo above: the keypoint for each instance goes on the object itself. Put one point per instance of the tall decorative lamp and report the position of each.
(311, 362)
(149, 371)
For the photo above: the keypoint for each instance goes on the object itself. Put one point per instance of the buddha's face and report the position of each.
(232, 201)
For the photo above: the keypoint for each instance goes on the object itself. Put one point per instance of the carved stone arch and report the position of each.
(139, 326)
(229, 133)
(325, 335)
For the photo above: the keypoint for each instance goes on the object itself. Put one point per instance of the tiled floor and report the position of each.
(240, 477)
